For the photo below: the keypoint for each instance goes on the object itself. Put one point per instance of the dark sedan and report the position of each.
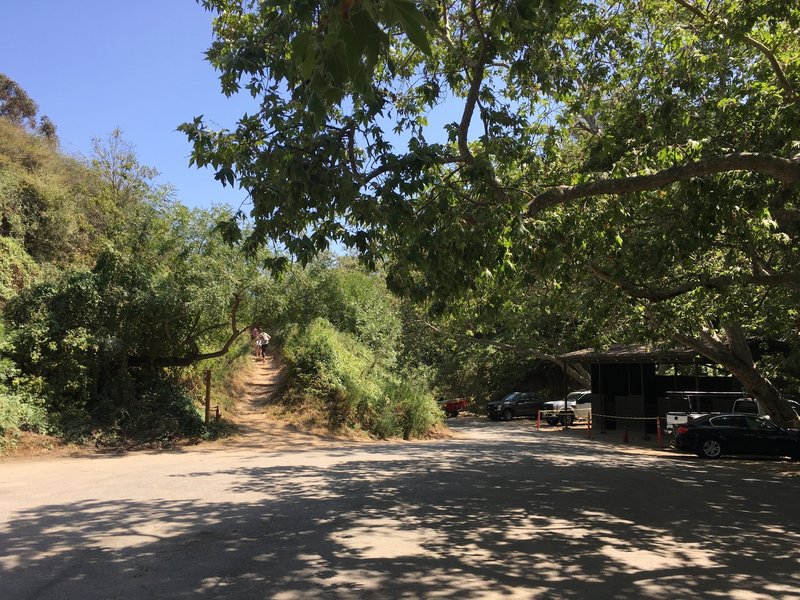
(515, 404)
(711, 436)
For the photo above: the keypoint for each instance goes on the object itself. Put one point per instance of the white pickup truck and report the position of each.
(578, 405)
(705, 403)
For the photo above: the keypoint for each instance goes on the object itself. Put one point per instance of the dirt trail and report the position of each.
(257, 429)
(250, 413)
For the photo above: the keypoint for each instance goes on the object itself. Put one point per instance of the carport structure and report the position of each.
(630, 383)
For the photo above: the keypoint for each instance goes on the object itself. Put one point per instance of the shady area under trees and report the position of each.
(642, 155)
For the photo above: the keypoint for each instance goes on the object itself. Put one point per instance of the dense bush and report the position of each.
(351, 299)
(48, 201)
(106, 346)
(342, 372)
(17, 268)
(19, 408)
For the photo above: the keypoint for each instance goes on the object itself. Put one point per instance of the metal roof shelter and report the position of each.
(630, 391)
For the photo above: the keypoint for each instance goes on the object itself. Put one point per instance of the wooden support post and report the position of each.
(208, 395)
(658, 430)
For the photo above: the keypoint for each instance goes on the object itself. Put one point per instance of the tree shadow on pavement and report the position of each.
(464, 519)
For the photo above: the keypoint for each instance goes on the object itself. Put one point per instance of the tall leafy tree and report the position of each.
(17, 107)
(651, 144)
(15, 103)
(123, 178)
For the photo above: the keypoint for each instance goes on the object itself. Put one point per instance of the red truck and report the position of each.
(452, 407)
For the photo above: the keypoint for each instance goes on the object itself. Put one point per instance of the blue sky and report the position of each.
(93, 65)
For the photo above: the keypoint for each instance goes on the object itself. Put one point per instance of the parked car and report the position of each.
(578, 405)
(711, 436)
(515, 404)
(452, 407)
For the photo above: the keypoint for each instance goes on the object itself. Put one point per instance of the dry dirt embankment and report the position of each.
(264, 423)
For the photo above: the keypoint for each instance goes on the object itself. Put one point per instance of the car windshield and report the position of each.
(576, 396)
(511, 396)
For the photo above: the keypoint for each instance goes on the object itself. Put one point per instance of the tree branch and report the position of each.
(791, 279)
(186, 359)
(578, 374)
(195, 355)
(783, 169)
(753, 43)
(474, 90)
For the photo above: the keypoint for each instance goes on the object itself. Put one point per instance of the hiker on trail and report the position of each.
(255, 335)
(264, 342)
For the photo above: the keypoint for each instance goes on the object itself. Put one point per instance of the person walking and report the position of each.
(255, 336)
(264, 341)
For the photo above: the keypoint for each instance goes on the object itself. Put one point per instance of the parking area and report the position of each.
(499, 511)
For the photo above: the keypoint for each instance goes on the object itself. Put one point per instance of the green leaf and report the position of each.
(412, 22)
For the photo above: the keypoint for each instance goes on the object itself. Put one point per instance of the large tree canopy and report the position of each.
(651, 144)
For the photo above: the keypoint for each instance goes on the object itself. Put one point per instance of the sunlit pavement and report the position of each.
(502, 511)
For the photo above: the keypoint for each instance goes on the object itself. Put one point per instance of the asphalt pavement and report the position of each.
(502, 511)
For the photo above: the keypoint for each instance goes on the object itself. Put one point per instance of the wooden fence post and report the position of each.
(208, 395)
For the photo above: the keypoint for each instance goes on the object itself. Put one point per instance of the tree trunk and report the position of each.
(579, 374)
(732, 353)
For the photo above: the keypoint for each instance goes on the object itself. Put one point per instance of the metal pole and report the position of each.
(565, 397)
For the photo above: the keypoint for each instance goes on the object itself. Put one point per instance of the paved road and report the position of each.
(501, 512)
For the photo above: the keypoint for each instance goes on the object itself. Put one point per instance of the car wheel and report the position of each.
(452, 413)
(567, 420)
(507, 414)
(710, 448)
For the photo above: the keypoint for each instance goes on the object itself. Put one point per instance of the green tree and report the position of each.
(103, 344)
(651, 144)
(15, 103)
(17, 107)
(123, 179)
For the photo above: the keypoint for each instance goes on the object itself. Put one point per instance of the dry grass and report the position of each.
(25, 444)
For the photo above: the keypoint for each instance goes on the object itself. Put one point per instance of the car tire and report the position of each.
(709, 448)
(507, 414)
(567, 420)
(452, 413)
